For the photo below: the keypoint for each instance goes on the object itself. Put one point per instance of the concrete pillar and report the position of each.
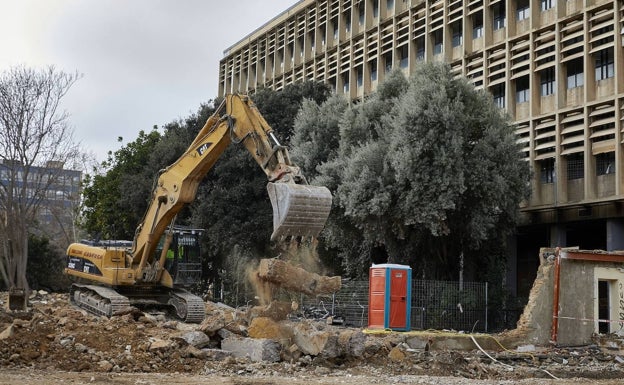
(615, 234)
(558, 236)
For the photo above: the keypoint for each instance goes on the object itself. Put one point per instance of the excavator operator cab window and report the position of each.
(183, 257)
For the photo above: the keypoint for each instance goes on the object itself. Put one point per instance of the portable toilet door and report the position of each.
(390, 297)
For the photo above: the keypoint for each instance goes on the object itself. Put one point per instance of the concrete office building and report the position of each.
(53, 189)
(556, 66)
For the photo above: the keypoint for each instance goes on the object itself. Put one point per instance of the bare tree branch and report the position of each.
(34, 135)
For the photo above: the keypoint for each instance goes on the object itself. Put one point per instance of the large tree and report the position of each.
(425, 172)
(34, 132)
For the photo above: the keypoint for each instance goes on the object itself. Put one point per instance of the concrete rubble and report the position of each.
(53, 335)
(297, 279)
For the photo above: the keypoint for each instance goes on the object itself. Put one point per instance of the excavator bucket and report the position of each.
(298, 210)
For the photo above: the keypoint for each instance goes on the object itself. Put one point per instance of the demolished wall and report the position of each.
(577, 298)
(535, 323)
(576, 303)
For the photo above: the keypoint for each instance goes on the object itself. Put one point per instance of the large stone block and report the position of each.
(254, 349)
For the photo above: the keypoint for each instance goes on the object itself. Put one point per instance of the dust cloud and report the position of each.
(262, 288)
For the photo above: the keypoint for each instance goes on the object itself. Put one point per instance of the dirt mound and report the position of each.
(56, 336)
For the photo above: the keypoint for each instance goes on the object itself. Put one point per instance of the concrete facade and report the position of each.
(556, 66)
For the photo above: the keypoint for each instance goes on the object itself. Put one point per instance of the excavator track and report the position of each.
(98, 299)
(106, 301)
(188, 307)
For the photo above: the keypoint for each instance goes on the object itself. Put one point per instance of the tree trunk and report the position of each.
(15, 255)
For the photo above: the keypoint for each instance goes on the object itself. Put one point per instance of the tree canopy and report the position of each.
(424, 172)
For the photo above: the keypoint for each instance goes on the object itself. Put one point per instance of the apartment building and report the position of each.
(556, 66)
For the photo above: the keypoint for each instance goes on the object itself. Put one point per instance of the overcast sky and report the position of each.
(144, 62)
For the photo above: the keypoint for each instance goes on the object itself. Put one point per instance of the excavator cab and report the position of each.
(183, 260)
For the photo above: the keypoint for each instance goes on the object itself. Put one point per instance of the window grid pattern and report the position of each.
(570, 54)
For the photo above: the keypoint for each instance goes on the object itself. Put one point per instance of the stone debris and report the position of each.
(261, 349)
(297, 279)
(54, 335)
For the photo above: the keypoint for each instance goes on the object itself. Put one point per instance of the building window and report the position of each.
(522, 89)
(388, 62)
(420, 48)
(373, 69)
(404, 61)
(437, 42)
(604, 64)
(575, 166)
(375, 8)
(335, 27)
(477, 25)
(311, 39)
(345, 82)
(498, 94)
(547, 81)
(347, 19)
(605, 163)
(389, 4)
(361, 14)
(547, 4)
(457, 34)
(547, 170)
(522, 10)
(574, 70)
(360, 77)
(498, 12)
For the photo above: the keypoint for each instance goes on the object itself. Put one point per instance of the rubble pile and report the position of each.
(56, 336)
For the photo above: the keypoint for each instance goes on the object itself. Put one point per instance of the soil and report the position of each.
(54, 342)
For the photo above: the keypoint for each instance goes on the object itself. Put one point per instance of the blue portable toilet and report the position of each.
(390, 297)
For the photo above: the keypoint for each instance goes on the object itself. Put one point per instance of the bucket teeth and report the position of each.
(298, 210)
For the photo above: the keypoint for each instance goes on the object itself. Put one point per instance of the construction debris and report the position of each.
(296, 279)
(54, 337)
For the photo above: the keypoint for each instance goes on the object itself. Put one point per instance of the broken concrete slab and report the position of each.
(256, 350)
(296, 279)
(309, 340)
(264, 327)
(7, 333)
(211, 324)
(196, 339)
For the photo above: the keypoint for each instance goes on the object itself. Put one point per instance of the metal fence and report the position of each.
(435, 305)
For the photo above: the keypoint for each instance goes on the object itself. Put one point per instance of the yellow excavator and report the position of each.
(135, 274)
